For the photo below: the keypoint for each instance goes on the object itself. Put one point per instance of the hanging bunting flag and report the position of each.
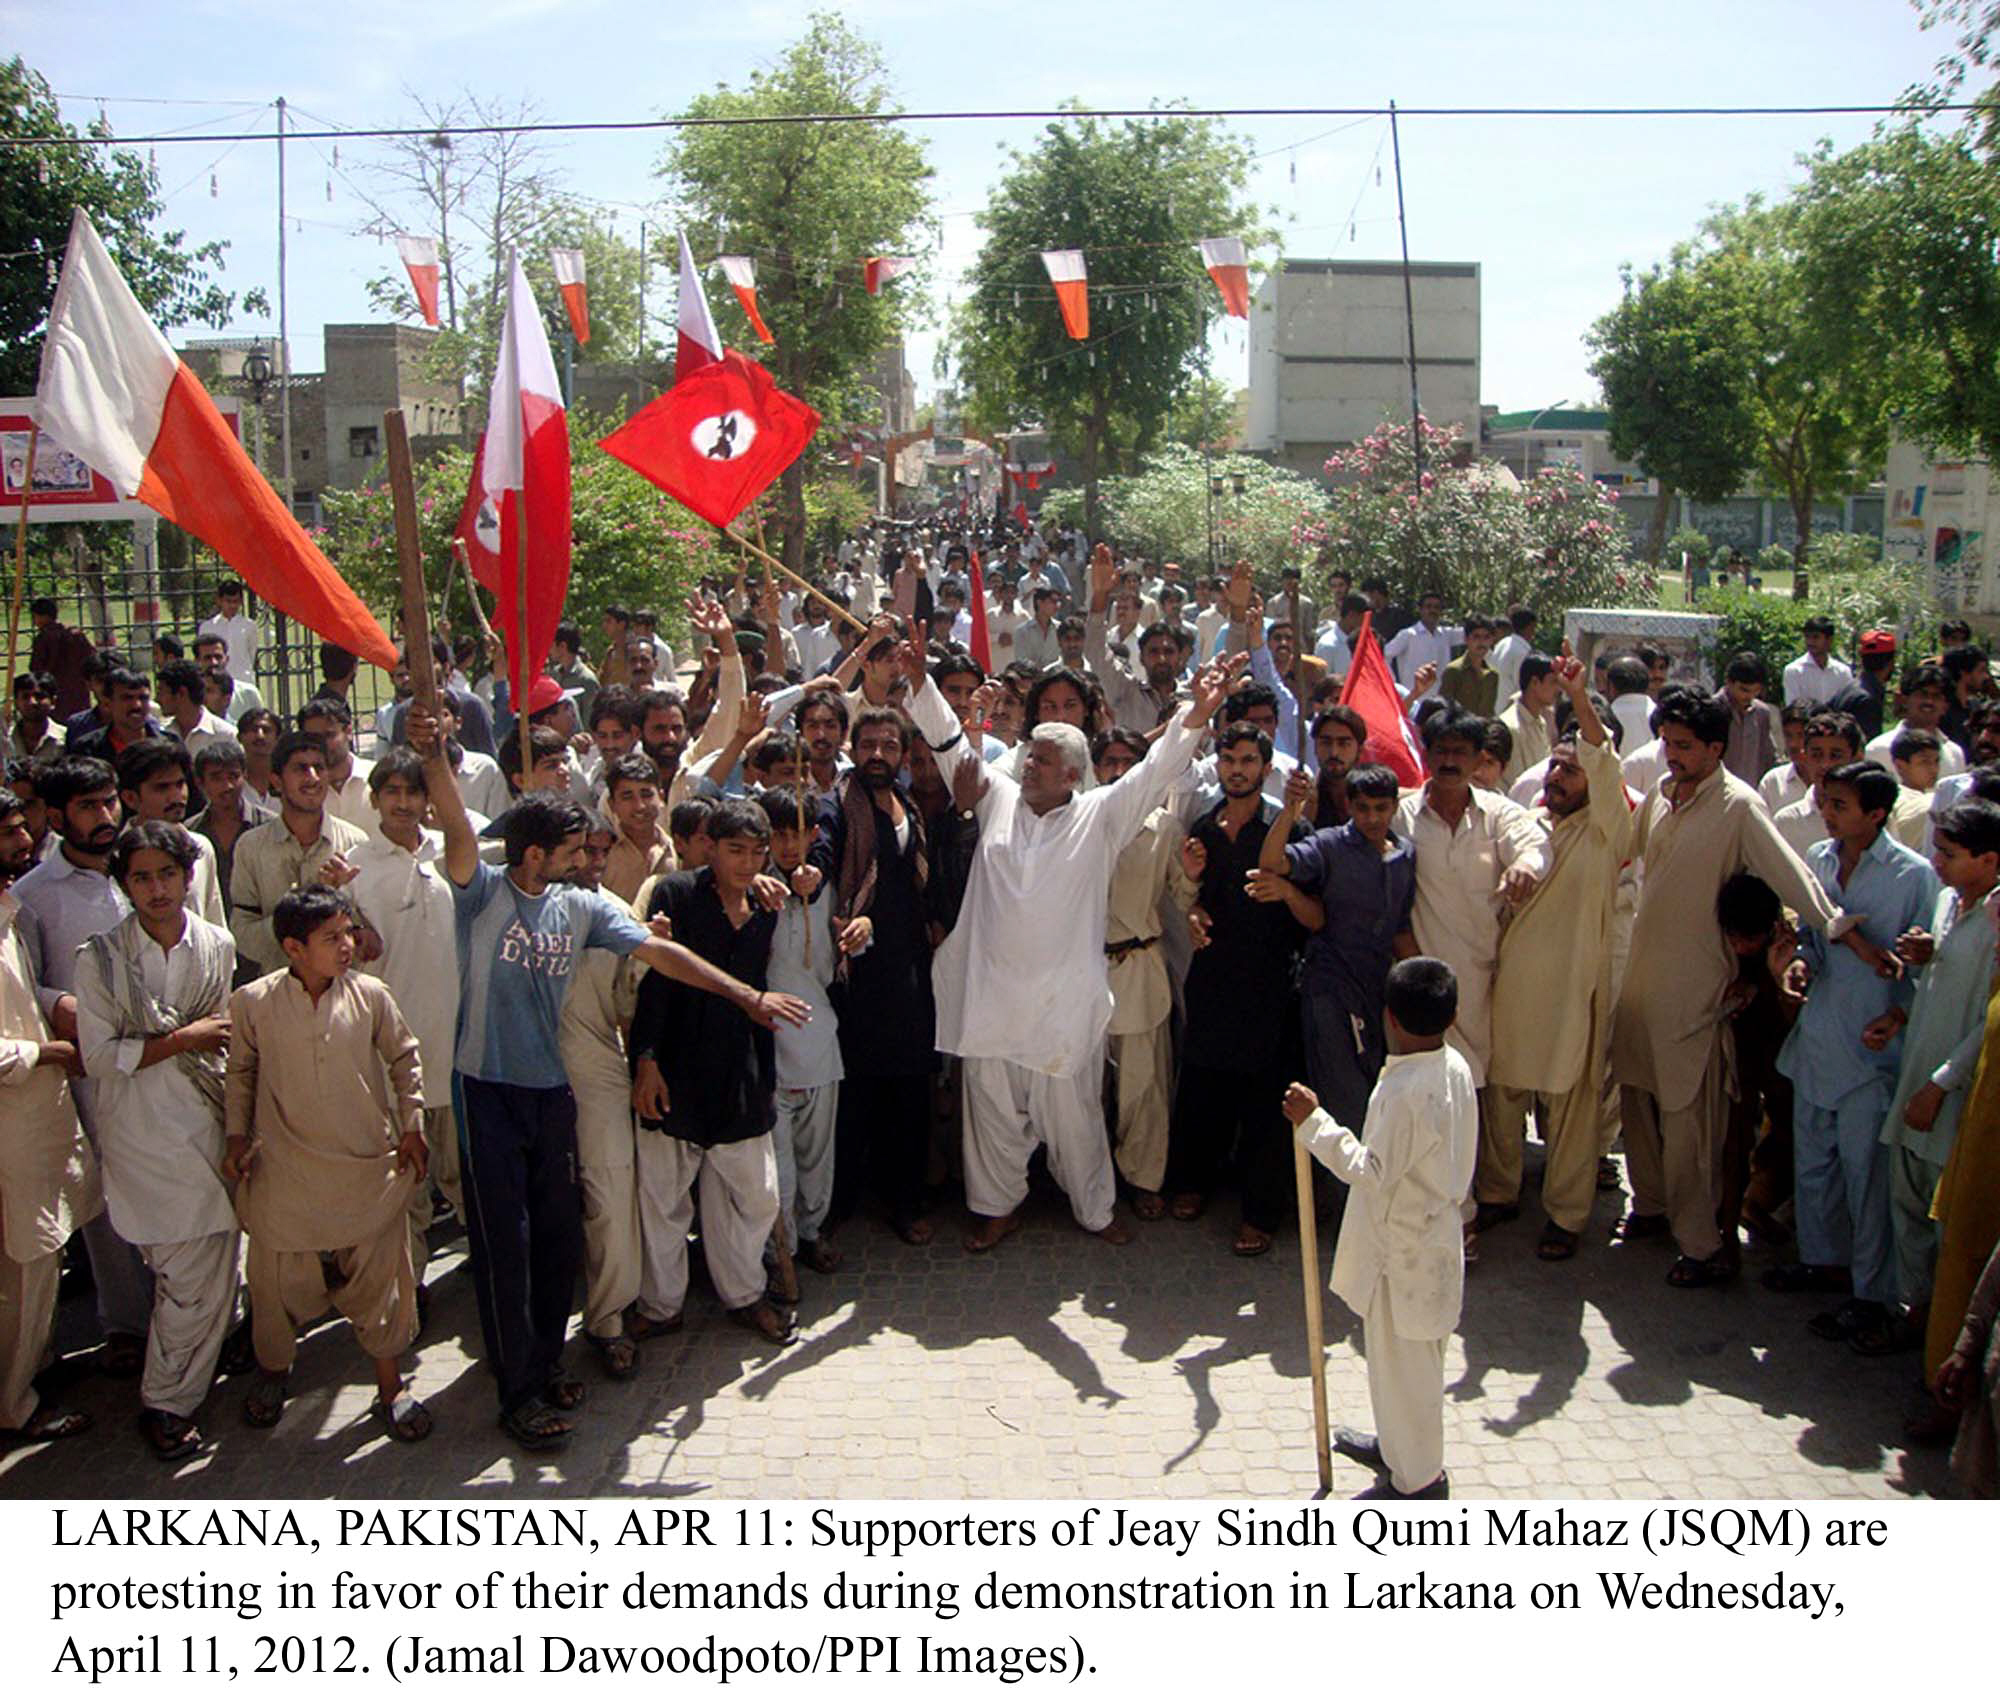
(1229, 264)
(741, 274)
(524, 470)
(876, 271)
(419, 254)
(113, 393)
(568, 263)
(717, 438)
(1066, 271)
(1371, 690)
(697, 342)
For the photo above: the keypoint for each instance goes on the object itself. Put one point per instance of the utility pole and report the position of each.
(284, 329)
(1409, 304)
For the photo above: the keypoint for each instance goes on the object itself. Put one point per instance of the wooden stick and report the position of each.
(518, 658)
(1315, 1316)
(792, 575)
(410, 562)
(472, 591)
(20, 583)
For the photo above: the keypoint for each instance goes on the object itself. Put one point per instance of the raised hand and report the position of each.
(337, 871)
(969, 784)
(1573, 676)
(806, 880)
(1103, 576)
(1211, 686)
(911, 661)
(750, 716)
(1238, 590)
(1300, 790)
(706, 617)
(1194, 859)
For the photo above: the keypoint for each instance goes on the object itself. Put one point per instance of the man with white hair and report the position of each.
(1032, 1032)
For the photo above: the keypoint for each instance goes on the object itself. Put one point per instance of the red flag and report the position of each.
(479, 521)
(876, 271)
(975, 595)
(741, 273)
(1371, 690)
(1229, 264)
(698, 344)
(524, 470)
(419, 254)
(717, 438)
(568, 264)
(1066, 271)
(113, 393)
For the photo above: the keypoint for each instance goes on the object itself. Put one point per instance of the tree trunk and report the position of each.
(1656, 525)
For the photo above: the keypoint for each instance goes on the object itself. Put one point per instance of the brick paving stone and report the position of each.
(1061, 1368)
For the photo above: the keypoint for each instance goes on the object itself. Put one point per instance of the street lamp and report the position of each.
(255, 374)
(1214, 493)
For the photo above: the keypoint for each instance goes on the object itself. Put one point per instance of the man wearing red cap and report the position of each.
(1878, 664)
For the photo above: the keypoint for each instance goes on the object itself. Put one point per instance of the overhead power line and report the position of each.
(606, 126)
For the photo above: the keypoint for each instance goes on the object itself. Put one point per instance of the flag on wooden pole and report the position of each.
(697, 343)
(1372, 691)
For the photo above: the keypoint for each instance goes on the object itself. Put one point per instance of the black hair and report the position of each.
(1238, 732)
(304, 910)
(569, 634)
(255, 715)
(1874, 787)
(1451, 723)
(1159, 631)
(230, 587)
(1372, 781)
(1817, 625)
(1499, 740)
(325, 705)
(183, 675)
(781, 807)
(138, 837)
(738, 819)
(618, 613)
(1918, 677)
(291, 745)
(1071, 628)
(72, 778)
(1247, 698)
(1134, 743)
(1533, 667)
(1746, 906)
(97, 663)
(776, 747)
(119, 679)
(831, 699)
(1701, 714)
(34, 681)
(548, 743)
(1087, 690)
(221, 680)
(634, 766)
(41, 606)
(12, 804)
(1971, 823)
(1474, 623)
(169, 645)
(879, 716)
(690, 817)
(144, 759)
(1981, 782)
(398, 763)
(539, 819)
(1911, 741)
(336, 663)
(1960, 662)
(1626, 675)
(1370, 584)
(1838, 724)
(1748, 667)
(1521, 618)
(1953, 628)
(1422, 995)
(209, 637)
(619, 703)
(1797, 712)
(220, 753)
(956, 664)
(1346, 717)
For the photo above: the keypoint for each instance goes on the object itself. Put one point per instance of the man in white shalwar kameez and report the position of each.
(1022, 991)
(1399, 1263)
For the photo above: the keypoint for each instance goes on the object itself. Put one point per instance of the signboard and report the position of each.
(66, 489)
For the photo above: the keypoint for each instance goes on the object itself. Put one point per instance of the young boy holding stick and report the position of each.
(1400, 1260)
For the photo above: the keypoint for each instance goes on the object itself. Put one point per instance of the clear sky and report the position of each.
(1549, 207)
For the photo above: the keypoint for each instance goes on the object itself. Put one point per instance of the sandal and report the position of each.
(1470, 1247)
(1148, 1207)
(991, 1231)
(1187, 1206)
(1689, 1272)
(818, 1256)
(266, 1402)
(1632, 1227)
(619, 1355)
(1251, 1241)
(171, 1437)
(914, 1231)
(535, 1427)
(1557, 1244)
(407, 1420)
(767, 1321)
(1846, 1320)
(1805, 1277)
(644, 1328)
(48, 1423)
(564, 1392)
(1609, 1179)
(121, 1356)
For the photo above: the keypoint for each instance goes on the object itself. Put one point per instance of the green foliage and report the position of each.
(1775, 563)
(40, 190)
(1692, 543)
(809, 202)
(1472, 533)
(632, 544)
(1843, 553)
(1135, 196)
(1880, 595)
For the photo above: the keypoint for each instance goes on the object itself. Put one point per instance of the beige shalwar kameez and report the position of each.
(1142, 999)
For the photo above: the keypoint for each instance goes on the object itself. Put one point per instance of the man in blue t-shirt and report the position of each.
(519, 932)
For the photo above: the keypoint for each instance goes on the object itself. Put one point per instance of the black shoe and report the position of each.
(1843, 1322)
(1632, 1227)
(1359, 1447)
(1384, 1488)
(1492, 1215)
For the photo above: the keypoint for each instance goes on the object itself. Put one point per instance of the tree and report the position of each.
(41, 188)
(1469, 531)
(1899, 249)
(808, 202)
(1135, 197)
(1673, 362)
(1975, 54)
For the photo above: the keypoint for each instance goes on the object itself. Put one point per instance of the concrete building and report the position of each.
(1329, 354)
(1936, 515)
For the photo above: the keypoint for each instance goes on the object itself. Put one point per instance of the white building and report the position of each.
(1936, 516)
(1330, 348)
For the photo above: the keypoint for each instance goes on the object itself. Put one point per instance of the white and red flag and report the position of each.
(1066, 271)
(112, 392)
(741, 273)
(1229, 264)
(524, 471)
(1371, 690)
(876, 271)
(568, 265)
(419, 254)
(697, 341)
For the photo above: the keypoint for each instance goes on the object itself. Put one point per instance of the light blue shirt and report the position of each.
(1891, 889)
(1947, 1025)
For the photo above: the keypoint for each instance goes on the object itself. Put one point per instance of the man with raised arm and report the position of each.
(1032, 923)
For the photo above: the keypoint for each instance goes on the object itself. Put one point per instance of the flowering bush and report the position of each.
(1468, 530)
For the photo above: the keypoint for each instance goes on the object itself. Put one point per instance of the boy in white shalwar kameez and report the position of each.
(1399, 1264)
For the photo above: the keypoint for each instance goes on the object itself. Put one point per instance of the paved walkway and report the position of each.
(1062, 1367)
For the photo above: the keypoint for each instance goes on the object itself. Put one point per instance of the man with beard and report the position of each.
(874, 847)
(68, 898)
(154, 778)
(822, 733)
(1031, 1025)
(1339, 733)
(1242, 1029)
(1138, 705)
(1552, 987)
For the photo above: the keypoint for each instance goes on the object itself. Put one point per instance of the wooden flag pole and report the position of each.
(1315, 1315)
(472, 591)
(793, 576)
(20, 584)
(410, 562)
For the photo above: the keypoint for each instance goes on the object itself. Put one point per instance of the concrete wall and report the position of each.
(1329, 350)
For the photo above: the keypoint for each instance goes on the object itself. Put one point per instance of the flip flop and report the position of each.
(408, 1420)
